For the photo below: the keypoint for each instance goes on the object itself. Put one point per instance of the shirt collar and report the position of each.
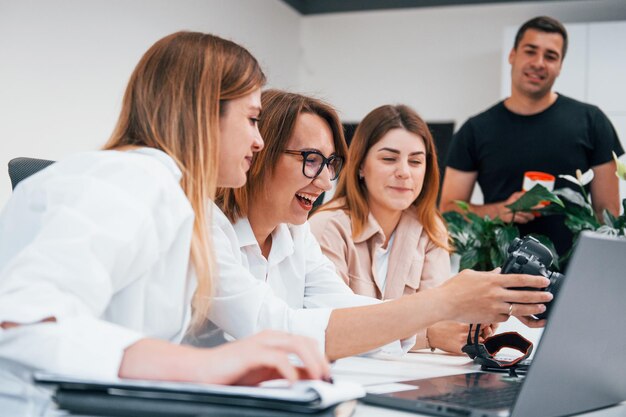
(282, 241)
(372, 228)
(244, 232)
(282, 244)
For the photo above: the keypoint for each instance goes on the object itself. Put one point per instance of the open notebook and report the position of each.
(125, 397)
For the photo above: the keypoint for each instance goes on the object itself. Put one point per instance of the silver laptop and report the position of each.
(580, 364)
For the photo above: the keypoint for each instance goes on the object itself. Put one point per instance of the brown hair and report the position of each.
(173, 102)
(278, 120)
(543, 24)
(372, 129)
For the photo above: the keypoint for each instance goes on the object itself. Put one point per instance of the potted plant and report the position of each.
(482, 242)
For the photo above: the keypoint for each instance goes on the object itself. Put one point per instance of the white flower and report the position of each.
(580, 179)
(621, 168)
(608, 230)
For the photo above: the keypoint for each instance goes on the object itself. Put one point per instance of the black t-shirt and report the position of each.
(501, 146)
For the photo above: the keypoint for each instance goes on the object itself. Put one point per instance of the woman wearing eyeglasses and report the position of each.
(274, 275)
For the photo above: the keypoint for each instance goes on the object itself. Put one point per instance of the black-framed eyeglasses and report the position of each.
(313, 162)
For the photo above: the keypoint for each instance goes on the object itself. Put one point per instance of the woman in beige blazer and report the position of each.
(382, 229)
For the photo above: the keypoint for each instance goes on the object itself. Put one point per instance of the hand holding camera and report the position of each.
(490, 297)
(529, 256)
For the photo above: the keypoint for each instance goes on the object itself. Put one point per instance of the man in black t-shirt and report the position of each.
(535, 129)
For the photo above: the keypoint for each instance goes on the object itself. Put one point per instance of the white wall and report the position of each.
(64, 64)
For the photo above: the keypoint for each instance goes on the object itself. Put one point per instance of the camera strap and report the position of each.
(484, 353)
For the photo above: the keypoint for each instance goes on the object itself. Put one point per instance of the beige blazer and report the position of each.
(414, 261)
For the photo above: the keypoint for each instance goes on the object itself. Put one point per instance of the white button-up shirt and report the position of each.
(99, 241)
(295, 289)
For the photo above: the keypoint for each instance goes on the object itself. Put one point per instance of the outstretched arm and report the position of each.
(469, 297)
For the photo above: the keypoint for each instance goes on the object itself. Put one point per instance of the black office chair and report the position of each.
(21, 168)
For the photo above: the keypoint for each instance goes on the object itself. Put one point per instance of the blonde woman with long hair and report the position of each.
(106, 258)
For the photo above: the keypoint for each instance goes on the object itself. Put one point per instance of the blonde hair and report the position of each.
(173, 102)
(280, 113)
(353, 190)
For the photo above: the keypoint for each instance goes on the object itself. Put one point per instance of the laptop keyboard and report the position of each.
(491, 398)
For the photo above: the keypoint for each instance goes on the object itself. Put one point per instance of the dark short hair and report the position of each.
(543, 24)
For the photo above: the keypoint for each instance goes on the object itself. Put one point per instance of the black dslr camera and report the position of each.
(529, 256)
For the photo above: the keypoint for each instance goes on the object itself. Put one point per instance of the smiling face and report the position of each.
(536, 63)
(239, 139)
(292, 194)
(393, 172)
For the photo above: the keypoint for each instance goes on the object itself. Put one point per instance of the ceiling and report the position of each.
(310, 7)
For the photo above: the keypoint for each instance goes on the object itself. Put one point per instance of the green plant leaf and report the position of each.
(552, 209)
(495, 257)
(459, 230)
(473, 217)
(620, 221)
(454, 217)
(572, 196)
(462, 205)
(504, 237)
(532, 197)
(608, 218)
(455, 220)
(579, 215)
(478, 226)
(469, 259)
(581, 221)
(482, 259)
